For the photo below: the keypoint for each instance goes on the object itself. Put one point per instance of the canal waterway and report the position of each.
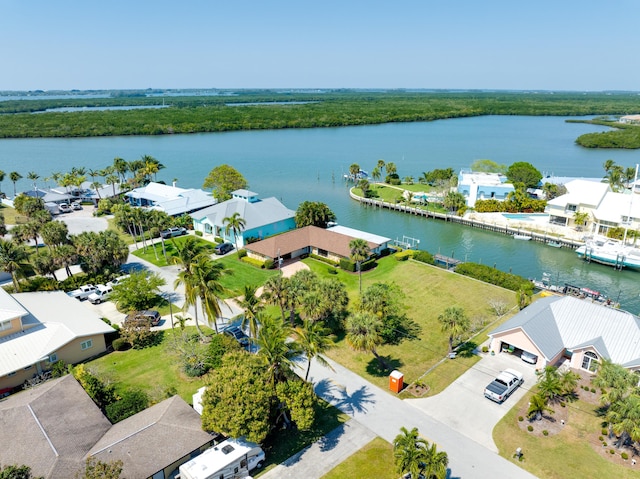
(308, 164)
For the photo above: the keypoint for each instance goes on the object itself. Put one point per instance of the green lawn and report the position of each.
(428, 292)
(11, 216)
(154, 370)
(567, 455)
(373, 460)
(171, 247)
(242, 274)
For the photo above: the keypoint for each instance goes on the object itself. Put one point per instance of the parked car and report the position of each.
(82, 292)
(171, 232)
(118, 280)
(503, 386)
(527, 357)
(64, 208)
(223, 248)
(76, 206)
(101, 294)
(150, 315)
(238, 334)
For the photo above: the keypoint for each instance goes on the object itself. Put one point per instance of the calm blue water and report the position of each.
(308, 164)
(524, 216)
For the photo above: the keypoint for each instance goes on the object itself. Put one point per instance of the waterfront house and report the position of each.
(54, 427)
(567, 329)
(172, 200)
(483, 186)
(40, 328)
(262, 217)
(331, 243)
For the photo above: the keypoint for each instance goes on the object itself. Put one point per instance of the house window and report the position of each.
(323, 252)
(53, 358)
(28, 367)
(86, 344)
(590, 361)
(5, 325)
(11, 374)
(571, 208)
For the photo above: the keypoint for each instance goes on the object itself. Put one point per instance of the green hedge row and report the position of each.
(494, 276)
(351, 266)
(323, 259)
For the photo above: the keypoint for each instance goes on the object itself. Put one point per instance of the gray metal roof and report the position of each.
(554, 323)
(256, 214)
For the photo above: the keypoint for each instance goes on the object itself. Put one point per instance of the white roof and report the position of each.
(255, 214)
(370, 237)
(54, 320)
(189, 200)
(156, 192)
(616, 205)
(476, 177)
(581, 192)
(9, 307)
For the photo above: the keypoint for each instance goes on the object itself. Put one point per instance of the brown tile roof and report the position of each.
(304, 237)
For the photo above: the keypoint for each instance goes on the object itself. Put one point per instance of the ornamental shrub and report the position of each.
(119, 344)
(529, 428)
(198, 233)
(268, 264)
(424, 257)
(624, 456)
(491, 275)
(520, 418)
(242, 253)
(545, 432)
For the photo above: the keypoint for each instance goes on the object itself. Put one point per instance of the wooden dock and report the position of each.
(507, 230)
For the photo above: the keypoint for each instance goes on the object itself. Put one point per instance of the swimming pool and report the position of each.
(526, 216)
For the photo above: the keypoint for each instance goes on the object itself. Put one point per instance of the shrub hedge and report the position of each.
(495, 276)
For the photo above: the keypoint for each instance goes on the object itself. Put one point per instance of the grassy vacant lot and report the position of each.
(428, 292)
(10, 215)
(171, 247)
(567, 455)
(373, 460)
(242, 274)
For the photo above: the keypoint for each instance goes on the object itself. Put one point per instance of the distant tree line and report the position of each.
(340, 108)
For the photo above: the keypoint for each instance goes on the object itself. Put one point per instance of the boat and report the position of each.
(610, 252)
(522, 237)
(554, 244)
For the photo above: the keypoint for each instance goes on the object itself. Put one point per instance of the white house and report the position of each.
(483, 186)
(172, 200)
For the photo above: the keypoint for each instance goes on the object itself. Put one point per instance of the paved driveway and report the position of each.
(463, 407)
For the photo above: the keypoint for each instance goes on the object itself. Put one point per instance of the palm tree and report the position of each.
(354, 169)
(549, 384)
(276, 349)
(409, 452)
(33, 176)
(120, 167)
(234, 223)
(276, 291)
(2, 176)
(608, 165)
(455, 322)
(314, 340)
(537, 407)
(13, 260)
(624, 419)
(96, 185)
(65, 255)
(435, 463)
(376, 174)
(380, 165)
(112, 180)
(363, 334)
(391, 168)
(14, 176)
(359, 252)
(252, 306)
(209, 288)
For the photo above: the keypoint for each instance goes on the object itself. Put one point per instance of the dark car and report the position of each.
(223, 248)
(238, 334)
(171, 232)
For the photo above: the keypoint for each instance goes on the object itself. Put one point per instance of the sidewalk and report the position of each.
(384, 414)
(325, 454)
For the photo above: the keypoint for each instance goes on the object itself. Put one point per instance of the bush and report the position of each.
(593, 390)
(120, 344)
(59, 369)
(198, 233)
(611, 451)
(485, 349)
(424, 257)
(624, 456)
(404, 255)
(332, 270)
(323, 259)
(604, 443)
(545, 432)
(242, 253)
(529, 428)
(269, 264)
(600, 438)
(131, 402)
(520, 418)
(495, 276)
(347, 265)
(605, 431)
(252, 261)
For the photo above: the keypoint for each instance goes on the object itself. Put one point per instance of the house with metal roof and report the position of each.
(172, 200)
(40, 328)
(558, 329)
(55, 426)
(262, 217)
(331, 243)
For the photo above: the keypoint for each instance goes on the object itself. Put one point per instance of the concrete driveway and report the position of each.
(463, 407)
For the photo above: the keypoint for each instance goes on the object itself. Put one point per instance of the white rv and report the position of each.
(231, 459)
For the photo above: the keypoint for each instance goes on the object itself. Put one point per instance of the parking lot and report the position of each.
(463, 407)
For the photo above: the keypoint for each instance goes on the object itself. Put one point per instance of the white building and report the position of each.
(483, 186)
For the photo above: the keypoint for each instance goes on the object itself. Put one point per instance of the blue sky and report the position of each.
(550, 45)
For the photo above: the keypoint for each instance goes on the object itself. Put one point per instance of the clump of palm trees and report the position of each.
(618, 176)
(416, 457)
(554, 386)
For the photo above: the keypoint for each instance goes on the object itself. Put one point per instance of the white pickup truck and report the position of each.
(101, 293)
(501, 387)
(82, 292)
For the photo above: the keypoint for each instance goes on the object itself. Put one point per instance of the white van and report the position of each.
(230, 459)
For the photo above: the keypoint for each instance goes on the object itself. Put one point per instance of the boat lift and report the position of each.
(407, 242)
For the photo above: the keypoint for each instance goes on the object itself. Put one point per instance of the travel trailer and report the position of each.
(231, 459)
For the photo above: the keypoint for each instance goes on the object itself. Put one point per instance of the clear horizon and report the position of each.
(457, 45)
